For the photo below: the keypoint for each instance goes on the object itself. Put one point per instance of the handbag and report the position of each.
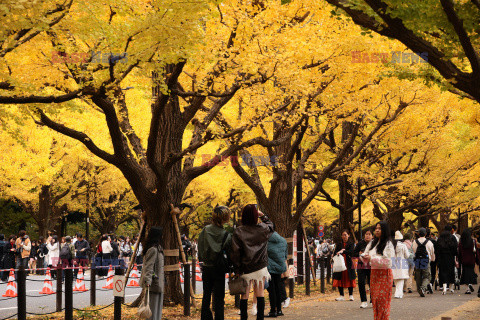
(338, 264)
(144, 310)
(237, 285)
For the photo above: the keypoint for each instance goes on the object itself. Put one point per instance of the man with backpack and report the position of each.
(67, 252)
(424, 254)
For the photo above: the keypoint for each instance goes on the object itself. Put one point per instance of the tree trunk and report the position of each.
(345, 187)
(423, 219)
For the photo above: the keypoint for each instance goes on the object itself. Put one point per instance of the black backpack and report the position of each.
(421, 255)
(65, 252)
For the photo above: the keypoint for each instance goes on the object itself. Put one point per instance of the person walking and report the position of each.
(411, 265)
(277, 251)
(345, 279)
(153, 276)
(213, 241)
(363, 269)
(23, 246)
(400, 267)
(424, 254)
(379, 253)
(249, 256)
(467, 256)
(433, 264)
(445, 255)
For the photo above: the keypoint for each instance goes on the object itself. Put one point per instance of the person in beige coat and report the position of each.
(153, 276)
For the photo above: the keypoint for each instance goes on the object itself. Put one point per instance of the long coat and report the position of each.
(8, 256)
(349, 250)
(153, 270)
(445, 256)
(400, 269)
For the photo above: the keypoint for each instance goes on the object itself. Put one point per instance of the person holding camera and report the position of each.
(249, 256)
(23, 247)
(212, 242)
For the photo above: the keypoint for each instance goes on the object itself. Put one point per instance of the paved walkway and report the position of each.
(412, 306)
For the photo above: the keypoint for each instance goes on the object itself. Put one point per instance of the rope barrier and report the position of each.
(9, 317)
(68, 268)
(83, 310)
(44, 314)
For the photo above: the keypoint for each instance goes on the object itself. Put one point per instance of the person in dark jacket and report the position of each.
(9, 256)
(249, 256)
(212, 243)
(153, 276)
(467, 257)
(277, 255)
(81, 252)
(345, 279)
(363, 269)
(3, 243)
(445, 253)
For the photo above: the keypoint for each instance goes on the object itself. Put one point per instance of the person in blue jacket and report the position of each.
(277, 256)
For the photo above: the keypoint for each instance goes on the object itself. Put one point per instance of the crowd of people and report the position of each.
(20, 251)
(384, 259)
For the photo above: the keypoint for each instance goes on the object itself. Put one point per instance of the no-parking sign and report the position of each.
(118, 286)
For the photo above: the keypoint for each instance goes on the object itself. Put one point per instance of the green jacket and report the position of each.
(277, 254)
(210, 242)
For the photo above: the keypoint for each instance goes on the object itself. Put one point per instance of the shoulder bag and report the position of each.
(144, 311)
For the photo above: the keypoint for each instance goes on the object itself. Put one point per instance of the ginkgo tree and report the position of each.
(191, 84)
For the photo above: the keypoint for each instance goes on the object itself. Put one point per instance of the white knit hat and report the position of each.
(398, 235)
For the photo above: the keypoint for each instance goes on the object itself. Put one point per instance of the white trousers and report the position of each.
(399, 288)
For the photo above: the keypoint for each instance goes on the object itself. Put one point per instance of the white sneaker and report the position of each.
(351, 298)
(364, 305)
(254, 309)
(341, 298)
(286, 303)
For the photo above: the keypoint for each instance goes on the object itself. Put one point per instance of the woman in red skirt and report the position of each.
(379, 254)
(345, 279)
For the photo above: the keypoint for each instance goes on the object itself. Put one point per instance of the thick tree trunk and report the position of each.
(423, 220)
(345, 187)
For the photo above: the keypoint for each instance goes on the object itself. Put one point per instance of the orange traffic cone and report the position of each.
(109, 284)
(47, 284)
(80, 284)
(198, 272)
(11, 286)
(134, 277)
(181, 272)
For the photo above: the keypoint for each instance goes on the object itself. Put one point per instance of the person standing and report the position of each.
(81, 252)
(277, 251)
(213, 241)
(467, 257)
(106, 251)
(126, 249)
(23, 246)
(249, 256)
(424, 254)
(153, 277)
(8, 256)
(400, 267)
(445, 255)
(345, 279)
(32, 264)
(3, 243)
(42, 252)
(53, 253)
(454, 233)
(363, 270)
(379, 254)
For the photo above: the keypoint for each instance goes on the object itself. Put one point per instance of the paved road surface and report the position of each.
(39, 303)
(412, 306)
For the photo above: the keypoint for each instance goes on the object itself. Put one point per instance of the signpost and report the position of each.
(119, 286)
